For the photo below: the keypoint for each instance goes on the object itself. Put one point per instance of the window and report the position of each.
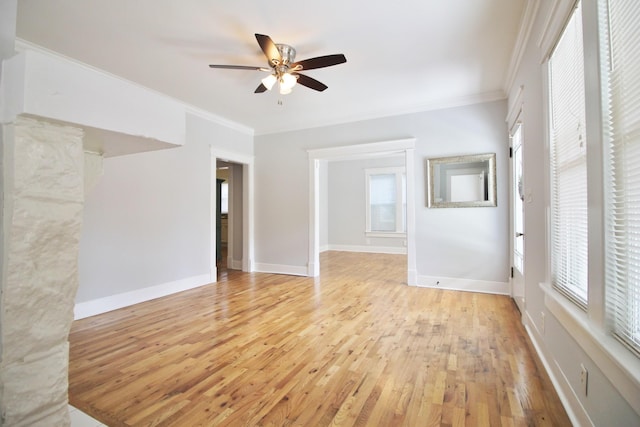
(224, 198)
(608, 327)
(620, 70)
(568, 163)
(386, 199)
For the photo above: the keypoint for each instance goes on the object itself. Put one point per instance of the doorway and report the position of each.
(395, 147)
(517, 217)
(225, 212)
(231, 212)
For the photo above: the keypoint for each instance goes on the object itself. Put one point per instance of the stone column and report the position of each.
(42, 171)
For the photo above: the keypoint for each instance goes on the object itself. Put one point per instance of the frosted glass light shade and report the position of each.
(287, 82)
(269, 81)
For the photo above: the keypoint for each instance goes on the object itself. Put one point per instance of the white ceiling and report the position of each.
(402, 56)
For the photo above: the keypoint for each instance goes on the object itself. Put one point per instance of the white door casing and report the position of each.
(405, 146)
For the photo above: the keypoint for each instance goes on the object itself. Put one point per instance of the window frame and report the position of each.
(568, 165)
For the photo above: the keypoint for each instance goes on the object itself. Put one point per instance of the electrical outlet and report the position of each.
(584, 379)
(542, 315)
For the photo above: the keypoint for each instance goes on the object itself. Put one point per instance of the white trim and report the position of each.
(617, 363)
(314, 217)
(575, 411)
(126, 299)
(383, 148)
(462, 284)
(378, 114)
(369, 249)
(515, 108)
(359, 151)
(526, 25)
(234, 264)
(412, 267)
(386, 235)
(212, 221)
(291, 270)
(554, 24)
(198, 112)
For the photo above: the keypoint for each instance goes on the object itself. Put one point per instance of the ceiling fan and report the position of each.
(283, 69)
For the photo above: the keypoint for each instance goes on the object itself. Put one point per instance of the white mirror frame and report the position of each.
(436, 172)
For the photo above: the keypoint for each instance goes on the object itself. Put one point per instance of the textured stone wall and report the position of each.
(43, 201)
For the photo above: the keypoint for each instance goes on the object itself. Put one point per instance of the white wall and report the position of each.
(604, 405)
(325, 206)
(147, 222)
(444, 236)
(8, 12)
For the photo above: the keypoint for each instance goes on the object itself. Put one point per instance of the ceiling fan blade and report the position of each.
(320, 61)
(310, 82)
(238, 67)
(269, 48)
(260, 89)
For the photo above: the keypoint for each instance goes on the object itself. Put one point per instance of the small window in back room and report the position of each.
(386, 200)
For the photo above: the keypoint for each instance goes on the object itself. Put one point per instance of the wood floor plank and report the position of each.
(355, 347)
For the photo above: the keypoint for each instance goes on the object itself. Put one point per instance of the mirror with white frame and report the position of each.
(462, 181)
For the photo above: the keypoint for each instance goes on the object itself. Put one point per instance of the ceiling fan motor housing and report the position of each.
(287, 52)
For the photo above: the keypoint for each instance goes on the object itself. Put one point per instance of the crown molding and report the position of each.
(497, 95)
(526, 26)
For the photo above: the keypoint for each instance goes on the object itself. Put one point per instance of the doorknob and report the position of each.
(518, 234)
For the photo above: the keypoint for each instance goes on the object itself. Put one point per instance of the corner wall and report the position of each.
(147, 223)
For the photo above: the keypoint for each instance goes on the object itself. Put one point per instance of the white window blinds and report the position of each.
(386, 200)
(568, 148)
(620, 48)
(382, 193)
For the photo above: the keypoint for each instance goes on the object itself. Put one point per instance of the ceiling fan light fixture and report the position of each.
(269, 81)
(284, 90)
(287, 82)
(283, 68)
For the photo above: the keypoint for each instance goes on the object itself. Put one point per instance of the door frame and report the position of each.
(514, 118)
(247, 208)
(375, 149)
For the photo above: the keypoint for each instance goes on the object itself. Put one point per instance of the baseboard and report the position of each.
(460, 284)
(114, 302)
(291, 270)
(571, 403)
(402, 250)
(324, 248)
(234, 264)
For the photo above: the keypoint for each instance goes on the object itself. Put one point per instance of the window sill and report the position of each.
(616, 362)
(390, 234)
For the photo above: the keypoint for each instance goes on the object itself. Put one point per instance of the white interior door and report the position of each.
(517, 218)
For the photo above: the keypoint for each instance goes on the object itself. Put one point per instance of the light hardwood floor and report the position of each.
(355, 347)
